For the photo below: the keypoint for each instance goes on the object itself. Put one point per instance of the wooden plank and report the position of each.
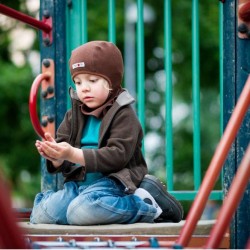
(203, 228)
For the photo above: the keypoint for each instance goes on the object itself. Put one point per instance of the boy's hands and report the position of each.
(58, 152)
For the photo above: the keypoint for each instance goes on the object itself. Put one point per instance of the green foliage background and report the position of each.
(18, 157)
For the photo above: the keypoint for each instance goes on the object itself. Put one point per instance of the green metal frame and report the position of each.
(187, 195)
(77, 14)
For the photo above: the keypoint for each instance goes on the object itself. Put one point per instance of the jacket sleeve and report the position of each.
(121, 140)
(62, 134)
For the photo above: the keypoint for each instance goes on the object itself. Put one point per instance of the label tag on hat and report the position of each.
(78, 65)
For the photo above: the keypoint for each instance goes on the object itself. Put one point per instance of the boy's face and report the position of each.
(92, 90)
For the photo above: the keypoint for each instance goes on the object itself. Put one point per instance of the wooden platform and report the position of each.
(203, 228)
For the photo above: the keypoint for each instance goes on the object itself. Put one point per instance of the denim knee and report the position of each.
(50, 207)
(92, 209)
(79, 211)
(39, 214)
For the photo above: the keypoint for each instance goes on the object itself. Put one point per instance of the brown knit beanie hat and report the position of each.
(98, 58)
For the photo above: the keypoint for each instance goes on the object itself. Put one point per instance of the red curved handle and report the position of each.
(32, 102)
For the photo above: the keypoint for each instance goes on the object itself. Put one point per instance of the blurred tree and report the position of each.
(18, 157)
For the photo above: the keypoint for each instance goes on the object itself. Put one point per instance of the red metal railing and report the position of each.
(11, 235)
(33, 100)
(45, 80)
(45, 25)
(215, 166)
(25, 18)
(231, 202)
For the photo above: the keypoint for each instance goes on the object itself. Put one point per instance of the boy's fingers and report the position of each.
(49, 137)
(51, 145)
(48, 147)
(48, 157)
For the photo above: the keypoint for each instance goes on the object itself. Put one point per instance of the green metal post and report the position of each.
(54, 107)
(168, 94)
(196, 93)
(83, 22)
(221, 71)
(76, 24)
(221, 63)
(112, 22)
(140, 63)
(77, 29)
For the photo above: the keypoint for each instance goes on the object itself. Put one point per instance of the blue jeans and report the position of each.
(102, 202)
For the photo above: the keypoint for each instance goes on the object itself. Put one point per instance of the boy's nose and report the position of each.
(85, 87)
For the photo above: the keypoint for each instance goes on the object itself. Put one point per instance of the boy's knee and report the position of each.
(84, 210)
(39, 216)
(78, 213)
(45, 212)
(90, 210)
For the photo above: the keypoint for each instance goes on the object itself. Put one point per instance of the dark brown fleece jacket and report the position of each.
(119, 152)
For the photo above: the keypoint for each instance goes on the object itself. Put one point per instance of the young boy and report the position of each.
(98, 151)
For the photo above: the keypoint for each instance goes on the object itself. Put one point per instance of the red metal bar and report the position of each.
(215, 166)
(25, 18)
(32, 102)
(231, 202)
(248, 244)
(23, 213)
(11, 235)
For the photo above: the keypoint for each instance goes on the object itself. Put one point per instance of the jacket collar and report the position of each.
(125, 98)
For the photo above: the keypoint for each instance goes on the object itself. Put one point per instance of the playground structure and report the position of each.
(235, 124)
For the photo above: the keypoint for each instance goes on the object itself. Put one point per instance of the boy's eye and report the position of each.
(76, 82)
(93, 80)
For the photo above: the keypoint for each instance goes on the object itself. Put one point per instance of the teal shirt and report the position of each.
(89, 139)
(90, 133)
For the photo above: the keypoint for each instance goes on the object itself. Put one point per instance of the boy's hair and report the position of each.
(98, 58)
